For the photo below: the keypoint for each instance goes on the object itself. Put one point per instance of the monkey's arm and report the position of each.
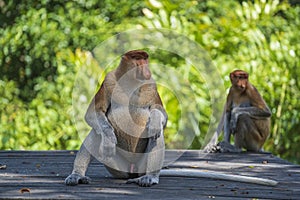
(159, 106)
(225, 125)
(212, 147)
(96, 118)
(158, 118)
(98, 121)
(225, 146)
(253, 112)
(227, 116)
(227, 132)
(156, 123)
(258, 108)
(95, 115)
(221, 124)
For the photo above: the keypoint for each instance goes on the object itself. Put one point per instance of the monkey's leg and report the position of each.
(83, 158)
(120, 165)
(153, 159)
(91, 147)
(252, 133)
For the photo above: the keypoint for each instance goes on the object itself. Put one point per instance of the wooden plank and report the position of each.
(43, 174)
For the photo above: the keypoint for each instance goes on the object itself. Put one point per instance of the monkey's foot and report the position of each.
(145, 181)
(2, 166)
(75, 179)
(212, 148)
(225, 147)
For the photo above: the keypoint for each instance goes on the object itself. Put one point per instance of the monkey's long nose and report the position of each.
(146, 73)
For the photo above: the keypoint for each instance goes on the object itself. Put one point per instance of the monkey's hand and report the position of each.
(108, 141)
(211, 148)
(75, 179)
(221, 147)
(154, 125)
(225, 147)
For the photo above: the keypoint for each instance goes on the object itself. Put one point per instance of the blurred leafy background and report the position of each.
(43, 44)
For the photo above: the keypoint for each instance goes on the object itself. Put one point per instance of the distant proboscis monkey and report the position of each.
(246, 116)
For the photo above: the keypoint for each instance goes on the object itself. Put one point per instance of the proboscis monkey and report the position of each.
(246, 116)
(128, 119)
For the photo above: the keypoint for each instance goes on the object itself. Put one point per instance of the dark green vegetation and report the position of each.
(45, 43)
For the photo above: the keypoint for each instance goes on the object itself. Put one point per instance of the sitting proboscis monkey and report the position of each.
(127, 119)
(246, 116)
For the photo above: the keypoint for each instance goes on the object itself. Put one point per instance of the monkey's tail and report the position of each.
(216, 175)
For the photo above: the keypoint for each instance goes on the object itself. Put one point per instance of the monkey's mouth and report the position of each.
(143, 73)
(240, 88)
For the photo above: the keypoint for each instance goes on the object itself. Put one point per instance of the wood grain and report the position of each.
(41, 174)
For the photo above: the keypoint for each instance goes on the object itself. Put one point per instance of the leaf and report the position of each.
(23, 190)
(2, 166)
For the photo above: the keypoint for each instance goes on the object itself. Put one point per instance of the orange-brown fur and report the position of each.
(127, 117)
(246, 116)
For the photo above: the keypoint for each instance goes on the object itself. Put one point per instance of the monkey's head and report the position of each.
(135, 61)
(239, 79)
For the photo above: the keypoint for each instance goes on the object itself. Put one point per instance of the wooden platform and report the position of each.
(41, 174)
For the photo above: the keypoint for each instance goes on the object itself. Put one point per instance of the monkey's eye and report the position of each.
(244, 76)
(241, 76)
(139, 57)
(136, 57)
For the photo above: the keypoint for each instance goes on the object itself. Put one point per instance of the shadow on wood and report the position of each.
(41, 174)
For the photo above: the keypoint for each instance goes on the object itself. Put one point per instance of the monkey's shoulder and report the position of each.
(110, 80)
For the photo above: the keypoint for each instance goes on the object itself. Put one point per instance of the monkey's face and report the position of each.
(142, 69)
(239, 80)
(137, 62)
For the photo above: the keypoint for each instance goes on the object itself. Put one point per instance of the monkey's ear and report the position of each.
(124, 57)
(231, 75)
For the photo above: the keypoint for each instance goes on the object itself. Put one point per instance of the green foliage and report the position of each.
(260, 37)
(31, 33)
(44, 44)
(43, 123)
